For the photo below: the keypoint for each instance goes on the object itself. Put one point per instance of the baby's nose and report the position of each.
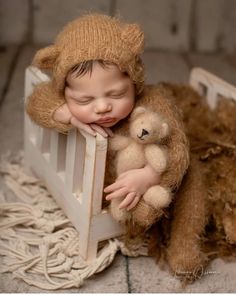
(103, 107)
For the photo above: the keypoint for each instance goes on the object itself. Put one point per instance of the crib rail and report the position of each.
(73, 168)
(211, 86)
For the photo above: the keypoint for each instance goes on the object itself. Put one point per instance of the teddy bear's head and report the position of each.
(147, 126)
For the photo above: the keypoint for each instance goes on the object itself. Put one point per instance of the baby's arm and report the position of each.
(131, 185)
(42, 104)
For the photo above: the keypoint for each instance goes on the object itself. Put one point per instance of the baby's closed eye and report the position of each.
(83, 100)
(117, 95)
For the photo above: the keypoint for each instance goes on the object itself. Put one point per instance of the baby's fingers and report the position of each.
(117, 194)
(134, 202)
(113, 187)
(99, 129)
(82, 126)
(109, 131)
(128, 200)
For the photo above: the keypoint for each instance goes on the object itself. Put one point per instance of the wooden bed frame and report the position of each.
(73, 166)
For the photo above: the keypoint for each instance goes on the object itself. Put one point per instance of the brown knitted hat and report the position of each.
(93, 37)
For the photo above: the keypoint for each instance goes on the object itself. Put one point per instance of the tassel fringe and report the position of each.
(38, 243)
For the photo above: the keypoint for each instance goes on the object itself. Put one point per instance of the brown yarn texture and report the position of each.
(213, 144)
(93, 37)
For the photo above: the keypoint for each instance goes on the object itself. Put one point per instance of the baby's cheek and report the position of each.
(82, 113)
(126, 109)
(74, 108)
(71, 106)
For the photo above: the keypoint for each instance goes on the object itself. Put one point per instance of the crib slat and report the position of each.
(43, 139)
(57, 151)
(62, 141)
(75, 154)
(78, 174)
(212, 97)
(30, 129)
(99, 173)
(70, 160)
(89, 170)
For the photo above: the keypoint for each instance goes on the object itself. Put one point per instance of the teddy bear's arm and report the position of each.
(156, 157)
(41, 105)
(118, 142)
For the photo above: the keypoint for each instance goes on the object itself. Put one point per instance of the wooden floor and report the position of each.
(126, 275)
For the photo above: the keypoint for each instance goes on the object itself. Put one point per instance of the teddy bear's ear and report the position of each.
(46, 57)
(137, 111)
(164, 130)
(134, 37)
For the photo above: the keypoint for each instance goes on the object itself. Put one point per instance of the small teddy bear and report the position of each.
(148, 133)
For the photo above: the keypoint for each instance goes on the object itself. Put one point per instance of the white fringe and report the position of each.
(37, 241)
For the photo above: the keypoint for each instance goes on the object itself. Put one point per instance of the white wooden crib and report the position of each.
(73, 169)
(73, 165)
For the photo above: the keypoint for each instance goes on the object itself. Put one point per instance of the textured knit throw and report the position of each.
(38, 243)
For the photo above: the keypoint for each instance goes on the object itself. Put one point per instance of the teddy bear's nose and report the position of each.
(144, 132)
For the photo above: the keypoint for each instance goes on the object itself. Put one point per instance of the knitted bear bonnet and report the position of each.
(93, 37)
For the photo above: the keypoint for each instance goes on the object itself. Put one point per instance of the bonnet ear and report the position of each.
(45, 58)
(137, 111)
(134, 37)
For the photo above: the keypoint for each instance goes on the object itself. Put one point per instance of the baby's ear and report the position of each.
(46, 57)
(134, 37)
(137, 111)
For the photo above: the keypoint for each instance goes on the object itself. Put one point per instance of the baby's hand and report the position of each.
(62, 114)
(130, 201)
(91, 128)
(131, 185)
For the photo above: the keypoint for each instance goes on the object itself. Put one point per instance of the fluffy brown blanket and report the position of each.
(212, 135)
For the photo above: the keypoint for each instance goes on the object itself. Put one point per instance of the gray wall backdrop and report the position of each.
(175, 25)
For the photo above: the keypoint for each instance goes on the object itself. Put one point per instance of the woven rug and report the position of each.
(38, 244)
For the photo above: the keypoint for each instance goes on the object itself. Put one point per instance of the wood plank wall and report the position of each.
(175, 25)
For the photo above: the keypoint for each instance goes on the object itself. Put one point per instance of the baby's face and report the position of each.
(103, 97)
